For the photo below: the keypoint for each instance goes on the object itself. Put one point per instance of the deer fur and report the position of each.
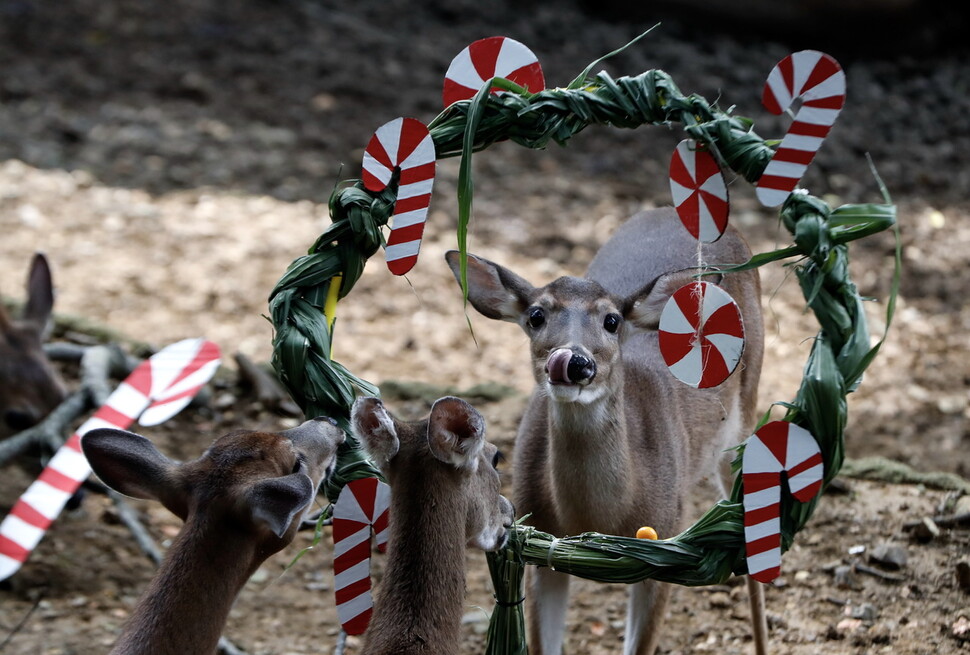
(242, 501)
(444, 496)
(610, 440)
(29, 385)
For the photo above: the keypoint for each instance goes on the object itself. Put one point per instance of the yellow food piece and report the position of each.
(646, 532)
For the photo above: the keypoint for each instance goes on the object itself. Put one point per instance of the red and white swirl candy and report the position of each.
(777, 447)
(701, 335)
(496, 56)
(154, 392)
(700, 195)
(818, 80)
(404, 145)
(362, 506)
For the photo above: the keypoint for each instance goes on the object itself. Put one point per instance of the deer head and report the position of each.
(29, 386)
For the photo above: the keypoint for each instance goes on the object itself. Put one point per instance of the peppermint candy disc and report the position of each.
(700, 195)
(496, 56)
(701, 335)
(819, 81)
(405, 144)
(776, 447)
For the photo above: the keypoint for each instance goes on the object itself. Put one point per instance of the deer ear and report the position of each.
(456, 433)
(495, 291)
(644, 307)
(374, 427)
(276, 501)
(40, 294)
(130, 464)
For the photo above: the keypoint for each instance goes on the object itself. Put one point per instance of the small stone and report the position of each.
(845, 577)
(857, 549)
(720, 600)
(963, 576)
(961, 629)
(926, 531)
(848, 625)
(889, 556)
(865, 612)
(803, 576)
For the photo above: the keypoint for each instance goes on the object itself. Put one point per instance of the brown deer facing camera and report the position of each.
(444, 496)
(29, 386)
(242, 501)
(610, 440)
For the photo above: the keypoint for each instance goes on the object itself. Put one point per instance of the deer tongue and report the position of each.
(557, 366)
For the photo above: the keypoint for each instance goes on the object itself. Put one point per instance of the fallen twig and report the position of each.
(954, 521)
(269, 392)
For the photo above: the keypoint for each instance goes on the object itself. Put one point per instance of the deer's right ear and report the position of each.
(456, 433)
(495, 291)
(129, 463)
(375, 429)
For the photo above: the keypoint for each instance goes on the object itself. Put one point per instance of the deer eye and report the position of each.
(298, 465)
(537, 318)
(496, 458)
(611, 323)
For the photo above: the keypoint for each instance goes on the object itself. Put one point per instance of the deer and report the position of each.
(610, 440)
(30, 387)
(241, 501)
(444, 496)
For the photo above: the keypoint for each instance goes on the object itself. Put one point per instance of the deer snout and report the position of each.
(18, 420)
(567, 367)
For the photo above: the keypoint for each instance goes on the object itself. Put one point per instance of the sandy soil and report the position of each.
(172, 160)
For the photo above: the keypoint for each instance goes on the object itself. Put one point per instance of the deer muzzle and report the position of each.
(567, 367)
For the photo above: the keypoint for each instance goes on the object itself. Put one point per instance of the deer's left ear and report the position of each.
(276, 501)
(456, 433)
(644, 307)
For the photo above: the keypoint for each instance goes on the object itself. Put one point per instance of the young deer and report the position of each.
(610, 440)
(445, 494)
(241, 501)
(29, 386)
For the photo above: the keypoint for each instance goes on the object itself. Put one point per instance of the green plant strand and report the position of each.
(713, 548)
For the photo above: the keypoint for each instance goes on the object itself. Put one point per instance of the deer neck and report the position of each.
(591, 462)
(419, 603)
(185, 607)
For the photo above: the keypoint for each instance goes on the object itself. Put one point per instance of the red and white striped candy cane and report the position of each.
(496, 56)
(362, 506)
(402, 144)
(776, 447)
(700, 195)
(818, 80)
(701, 335)
(156, 390)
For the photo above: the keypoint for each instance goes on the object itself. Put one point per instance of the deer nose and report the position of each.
(567, 367)
(19, 420)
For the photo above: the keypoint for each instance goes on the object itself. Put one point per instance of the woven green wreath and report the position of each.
(713, 548)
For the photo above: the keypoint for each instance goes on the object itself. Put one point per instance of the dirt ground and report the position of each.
(173, 158)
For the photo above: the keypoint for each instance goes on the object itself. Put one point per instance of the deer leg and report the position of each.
(548, 602)
(759, 621)
(645, 613)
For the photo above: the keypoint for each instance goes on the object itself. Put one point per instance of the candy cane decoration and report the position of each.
(156, 390)
(776, 447)
(700, 195)
(402, 144)
(818, 80)
(701, 335)
(363, 505)
(496, 56)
